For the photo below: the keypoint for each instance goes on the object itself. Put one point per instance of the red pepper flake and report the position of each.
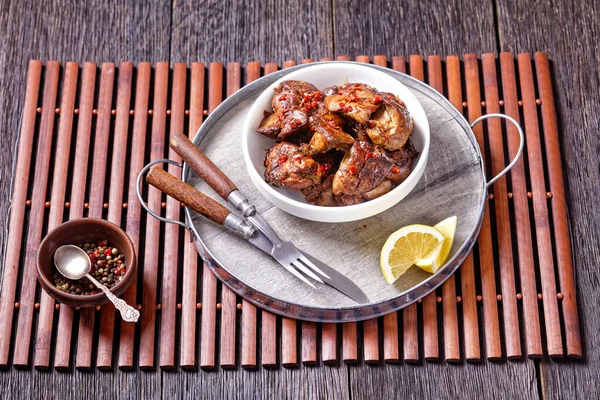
(282, 159)
(297, 158)
(368, 155)
(377, 100)
(280, 116)
(332, 124)
(395, 169)
(352, 169)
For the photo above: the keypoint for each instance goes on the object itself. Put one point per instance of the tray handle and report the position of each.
(521, 143)
(138, 189)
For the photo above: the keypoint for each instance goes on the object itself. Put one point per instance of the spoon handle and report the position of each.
(128, 313)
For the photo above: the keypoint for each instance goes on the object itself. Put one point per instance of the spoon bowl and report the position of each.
(72, 261)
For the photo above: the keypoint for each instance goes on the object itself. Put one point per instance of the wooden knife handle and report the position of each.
(186, 194)
(205, 168)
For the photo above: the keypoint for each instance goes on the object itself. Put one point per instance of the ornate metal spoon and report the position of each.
(74, 263)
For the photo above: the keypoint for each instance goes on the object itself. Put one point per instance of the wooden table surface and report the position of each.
(276, 30)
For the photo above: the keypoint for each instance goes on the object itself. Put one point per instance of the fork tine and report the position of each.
(306, 271)
(308, 263)
(297, 274)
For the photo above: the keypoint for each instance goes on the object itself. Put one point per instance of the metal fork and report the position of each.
(283, 251)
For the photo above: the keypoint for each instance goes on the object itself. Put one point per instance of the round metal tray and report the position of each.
(454, 183)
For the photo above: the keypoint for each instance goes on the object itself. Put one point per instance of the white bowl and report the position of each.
(323, 75)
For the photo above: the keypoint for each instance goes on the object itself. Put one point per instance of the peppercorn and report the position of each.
(107, 267)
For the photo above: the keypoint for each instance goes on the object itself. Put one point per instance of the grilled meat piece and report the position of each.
(354, 100)
(270, 125)
(380, 190)
(286, 167)
(403, 161)
(292, 104)
(378, 166)
(325, 138)
(346, 178)
(321, 116)
(391, 125)
(368, 171)
(321, 194)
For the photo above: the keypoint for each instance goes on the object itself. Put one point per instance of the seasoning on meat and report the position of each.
(340, 146)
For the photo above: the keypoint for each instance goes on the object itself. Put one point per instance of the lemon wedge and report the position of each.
(448, 228)
(406, 247)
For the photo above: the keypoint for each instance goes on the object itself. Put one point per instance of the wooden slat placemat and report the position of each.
(514, 296)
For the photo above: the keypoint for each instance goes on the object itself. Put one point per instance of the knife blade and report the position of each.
(338, 281)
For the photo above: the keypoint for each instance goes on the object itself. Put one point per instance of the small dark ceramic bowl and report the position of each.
(80, 231)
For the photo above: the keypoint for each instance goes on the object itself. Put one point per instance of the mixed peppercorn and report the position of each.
(108, 267)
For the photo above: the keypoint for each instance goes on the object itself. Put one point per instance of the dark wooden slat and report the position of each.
(531, 320)
(554, 341)
(486, 260)
(17, 212)
(391, 351)
(209, 281)
(467, 269)
(96, 199)
(450, 316)
(371, 341)
(150, 268)
(512, 336)
(380, 60)
(289, 356)
(187, 355)
(248, 309)
(329, 352)
(350, 329)
(132, 225)
(269, 320)
(391, 337)
(77, 198)
(349, 342)
(431, 349)
(409, 314)
(228, 299)
(559, 207)
(115, 201)
(57, 206)
(309, 329)
(36, 215)
(171, 242)
(309, 343)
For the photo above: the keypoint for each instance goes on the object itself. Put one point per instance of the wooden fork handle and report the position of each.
(186, 194)
(200, 163)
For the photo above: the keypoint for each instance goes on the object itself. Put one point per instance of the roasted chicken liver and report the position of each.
(342, 146)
